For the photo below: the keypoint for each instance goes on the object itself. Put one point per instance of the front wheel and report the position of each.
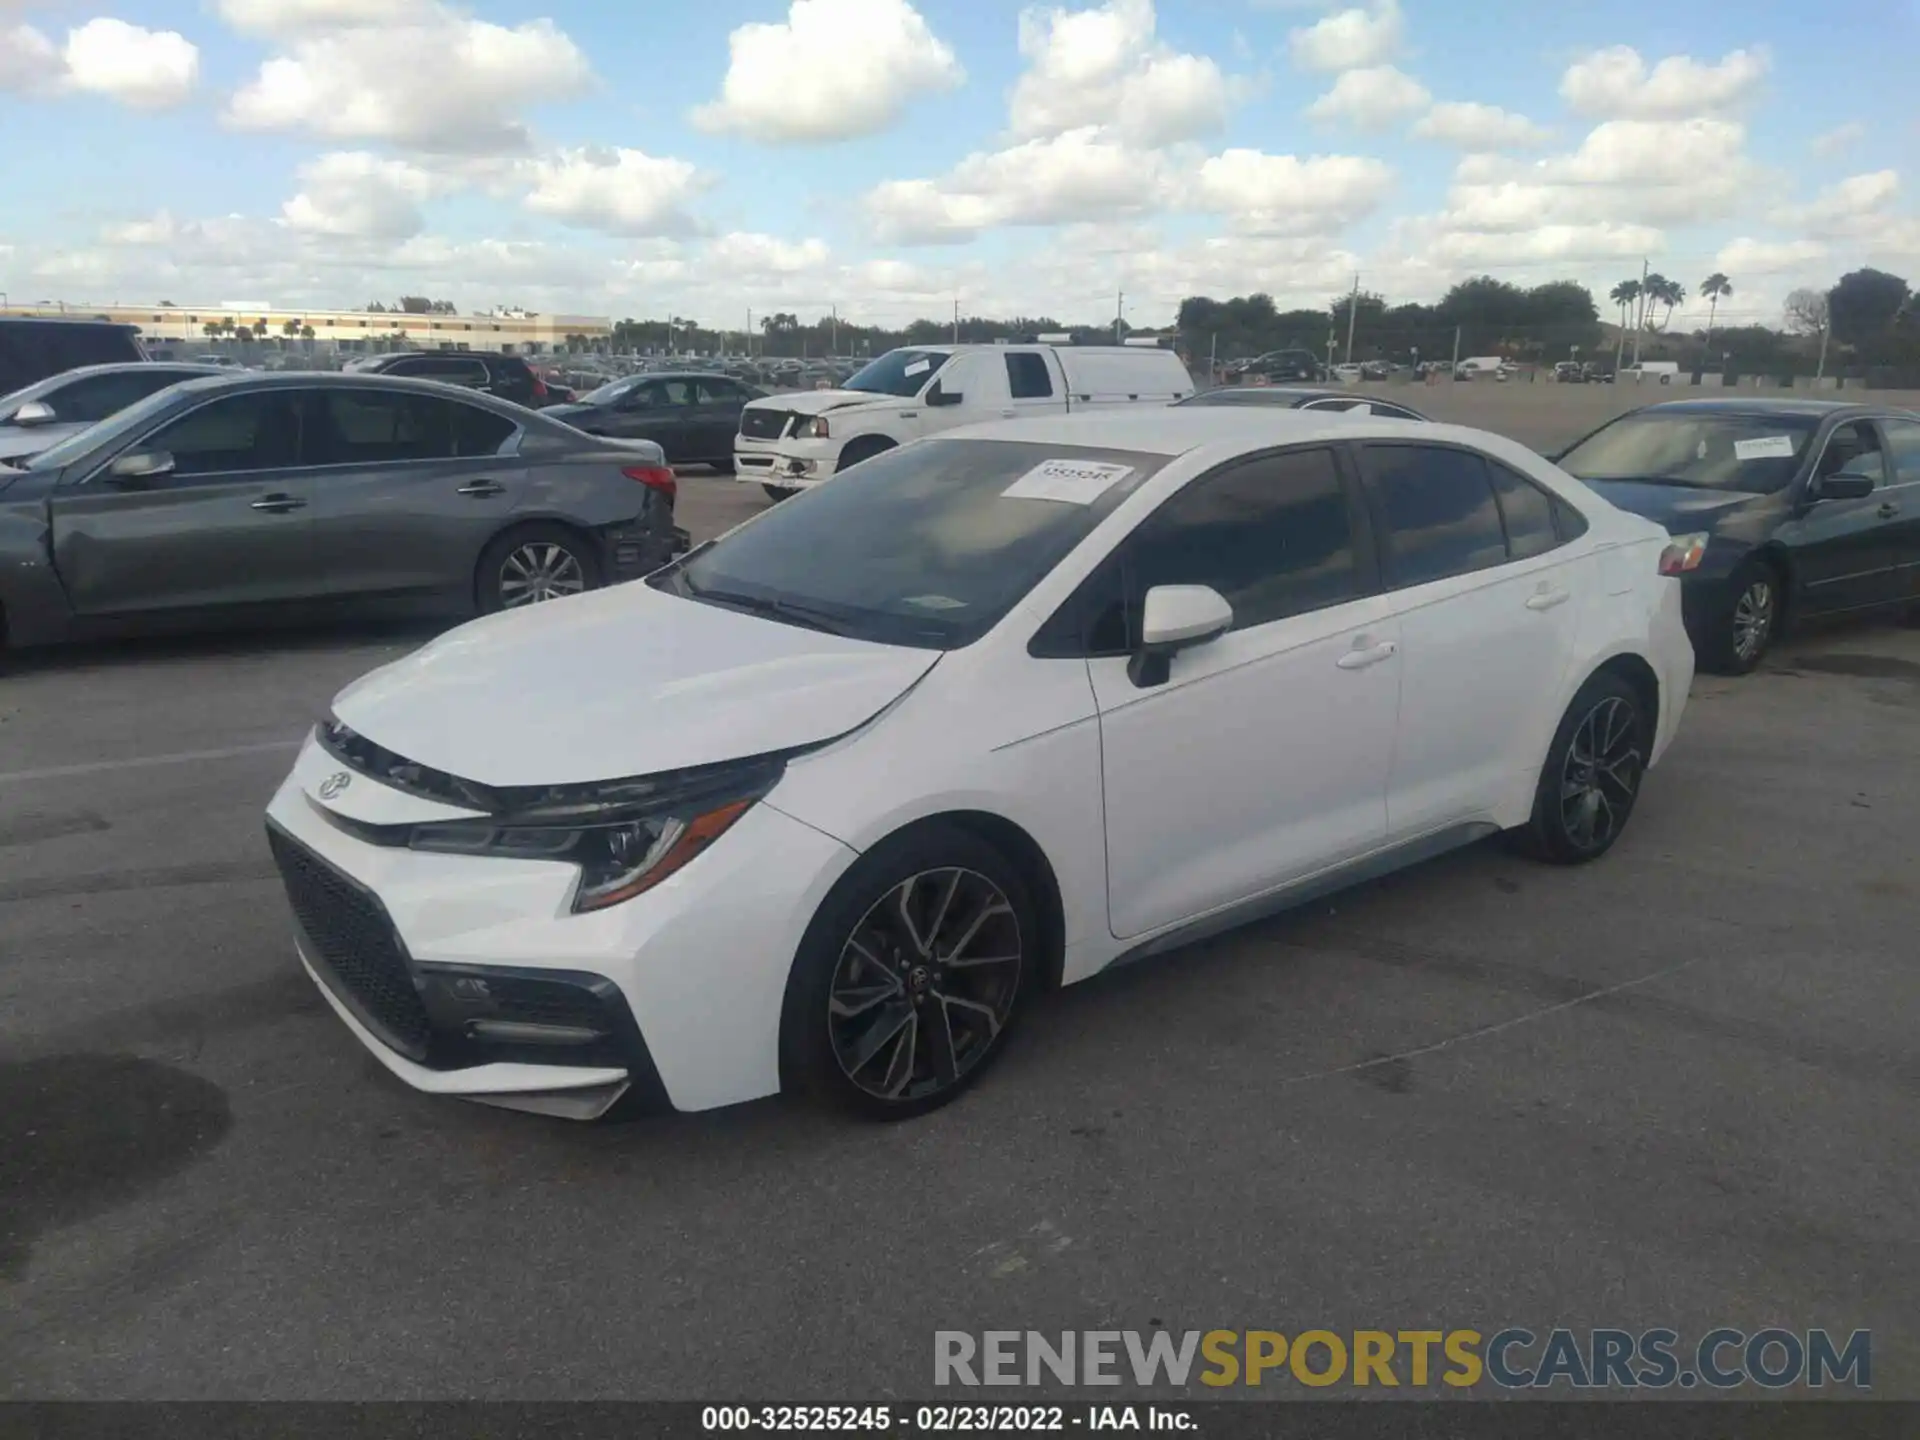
(1592, 775)
(777, 493)
(911, 975)
(1745, 627)
(533, 564)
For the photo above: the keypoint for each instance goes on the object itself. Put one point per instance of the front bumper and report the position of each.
(470, 976)
(789, 464)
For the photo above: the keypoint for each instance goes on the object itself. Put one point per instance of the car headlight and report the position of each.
(814, 429)
(626, 836)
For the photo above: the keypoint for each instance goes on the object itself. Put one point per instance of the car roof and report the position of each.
(67, 321)
(1173, 429)
(1758, 406)
(220, 382)
(141, 367)
(1280, 393)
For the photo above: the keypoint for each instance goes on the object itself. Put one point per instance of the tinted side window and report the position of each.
(1853, 447)
(371, 427)
(1272, 535)
(262, 430)
(1436, 512)
(721, 392)
(1028, 377)
(99, 396)
(1569, 522)
(1903, 448)
(1527, 511)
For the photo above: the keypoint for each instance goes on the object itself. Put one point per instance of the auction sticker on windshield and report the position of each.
(918, 367)
(1768, 447)
(1076, 482)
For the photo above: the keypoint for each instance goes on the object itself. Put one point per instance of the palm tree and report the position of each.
(1653, 290)
(1713, 287)
(1623, 295)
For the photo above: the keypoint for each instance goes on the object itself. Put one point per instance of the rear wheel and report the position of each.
(911, 975)
(531, 564)
(1592, 774)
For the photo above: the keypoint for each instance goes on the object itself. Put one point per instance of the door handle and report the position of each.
(1888, 510)
(480, 488)
(279, 504)
(1008, 413)
(1361, 656)
(1547, 599)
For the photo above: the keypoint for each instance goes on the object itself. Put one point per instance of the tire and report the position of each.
(723, 467)
(1743, 629)
(514, 556)
(865, 448)
(1607, 717)
(860, 959)
(777, 493)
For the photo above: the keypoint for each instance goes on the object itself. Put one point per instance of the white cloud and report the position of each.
(1616, 83)
(1349, 39)
(742, 254)
(1104, 66)
(142, 69)
(276, 18)
(1746, 256)
(352, 193)
(1838, 140)
(1372, 99)
(1284, 195)
(834, 70)
(1473, 126)
(1083, 174)
(343, 83)
(1544, 244)
(623, 192)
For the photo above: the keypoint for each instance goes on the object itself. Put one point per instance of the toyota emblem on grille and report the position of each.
(334, 784)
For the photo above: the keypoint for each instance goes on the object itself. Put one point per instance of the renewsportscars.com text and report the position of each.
(1512, 1358)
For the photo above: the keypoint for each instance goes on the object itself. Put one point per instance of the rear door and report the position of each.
(1487, 600)
(413, 488)
(1899, 507)
(229, 527)
(718, 403)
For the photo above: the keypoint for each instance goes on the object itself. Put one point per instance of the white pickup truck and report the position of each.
(790, 441)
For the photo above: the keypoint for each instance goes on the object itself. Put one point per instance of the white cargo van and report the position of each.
(790, 441)
(1661, 370)
(1474, 366)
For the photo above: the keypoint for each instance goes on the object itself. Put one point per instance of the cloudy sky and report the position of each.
(891, 156)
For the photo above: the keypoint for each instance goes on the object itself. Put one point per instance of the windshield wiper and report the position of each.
(790, 611)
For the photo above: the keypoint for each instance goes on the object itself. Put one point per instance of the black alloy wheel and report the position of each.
(911, 976)
(1592, 774)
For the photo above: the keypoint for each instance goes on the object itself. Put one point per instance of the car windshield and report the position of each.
(611, 391)
(1754, 454)
(898, 372)
(928, 546)
(119, 424)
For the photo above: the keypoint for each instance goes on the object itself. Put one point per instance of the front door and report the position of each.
(1263, 758)
(1843, 549)
(1487, 599)
(717, 421)
(228, 526)
(1899, 507)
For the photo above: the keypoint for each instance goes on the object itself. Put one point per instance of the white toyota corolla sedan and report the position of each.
(823, 804)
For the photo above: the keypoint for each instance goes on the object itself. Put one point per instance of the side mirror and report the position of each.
(137, 469)
(34, 412)
(938, 396)
(1176, 618)
(1847, 485)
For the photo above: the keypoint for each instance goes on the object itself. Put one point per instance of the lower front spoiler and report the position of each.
(566, 1092)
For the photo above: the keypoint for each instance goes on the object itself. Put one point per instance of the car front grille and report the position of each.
(355, 944)
(756, 424)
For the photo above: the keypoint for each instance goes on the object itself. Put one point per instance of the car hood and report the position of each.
(19, 442)
(1681, 508)
(818, 402)
(621, 682)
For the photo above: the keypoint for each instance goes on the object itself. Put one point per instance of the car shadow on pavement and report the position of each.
(239, 643)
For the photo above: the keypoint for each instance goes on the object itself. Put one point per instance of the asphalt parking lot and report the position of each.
(1673, 1088)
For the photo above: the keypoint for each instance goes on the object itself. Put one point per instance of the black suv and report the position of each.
(1281, 367)
(507, 376)
(31, 350)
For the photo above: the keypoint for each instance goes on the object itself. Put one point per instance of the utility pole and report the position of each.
(1353, 311)
(749, 332)
(1640, 320)
(1820, 370)
(1454, 373)
(956, 319)
(833, 331)
(1119, 313)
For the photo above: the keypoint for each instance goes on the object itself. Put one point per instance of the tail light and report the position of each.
(654, 477)
(539, 387)
(1683, 553)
